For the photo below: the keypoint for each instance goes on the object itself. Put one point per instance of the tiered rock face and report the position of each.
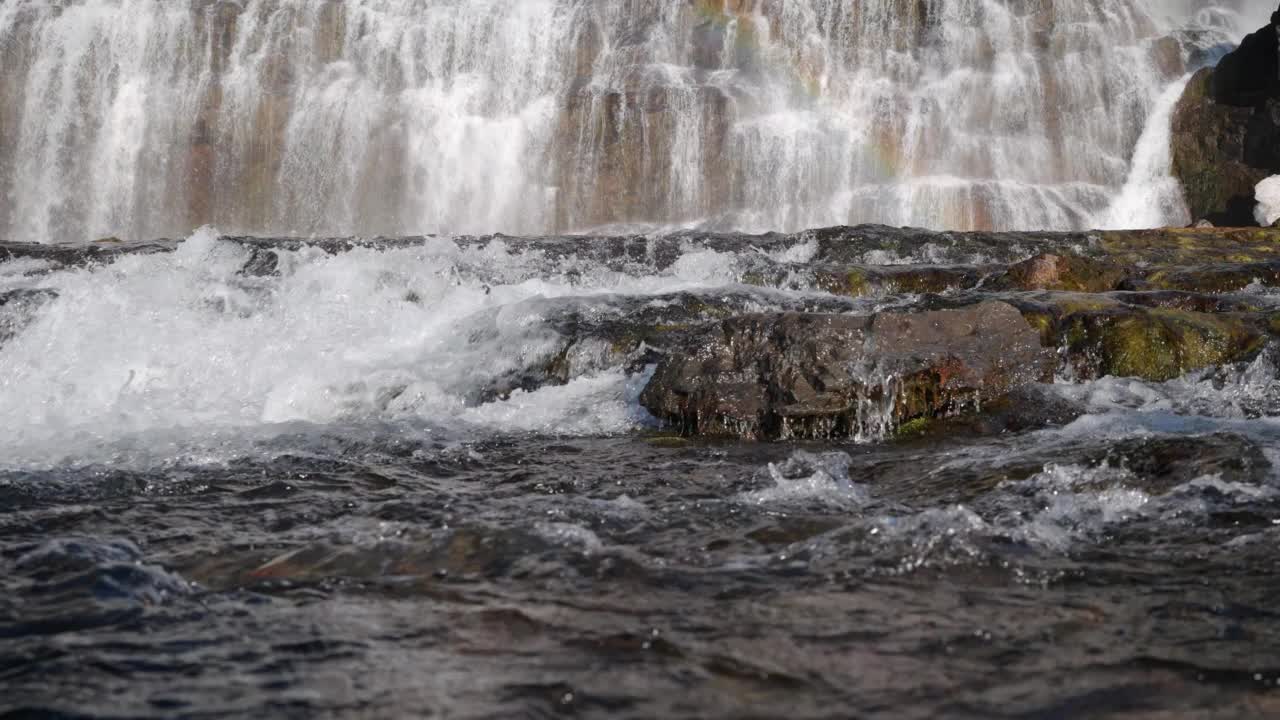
(145, 119)
(1226, 130)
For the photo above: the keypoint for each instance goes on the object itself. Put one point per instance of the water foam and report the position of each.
(184, 341)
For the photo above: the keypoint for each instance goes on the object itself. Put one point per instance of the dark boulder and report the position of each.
(1226, 131)
(800, 375)
(1250, 73)
(79, 254)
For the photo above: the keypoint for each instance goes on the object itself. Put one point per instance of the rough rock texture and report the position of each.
(1222, 278)
(821, 375)
(1152, 336)
(1155, 344)
(1226, 131)
(70, 255)
(1064, 272)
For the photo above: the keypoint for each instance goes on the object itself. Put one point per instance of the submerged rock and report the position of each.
(797, 375)
(1023, 408)
(864, 280)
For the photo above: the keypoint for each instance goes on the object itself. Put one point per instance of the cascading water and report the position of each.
(141, 119)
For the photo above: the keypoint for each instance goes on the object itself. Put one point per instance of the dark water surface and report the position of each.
(526, 576)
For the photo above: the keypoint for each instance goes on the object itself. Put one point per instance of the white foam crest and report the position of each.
(154, 343)
(570, 535)
(1053, 510)
(605, 403)
(807, 476)
(930, 538)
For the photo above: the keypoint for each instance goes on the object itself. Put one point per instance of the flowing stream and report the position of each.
(246, 476)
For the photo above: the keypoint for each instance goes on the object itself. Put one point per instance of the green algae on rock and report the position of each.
(1154, 344)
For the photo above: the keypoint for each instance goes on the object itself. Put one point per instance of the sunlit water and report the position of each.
(227, 491)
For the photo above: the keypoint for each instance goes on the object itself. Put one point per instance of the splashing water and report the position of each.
(808, 476)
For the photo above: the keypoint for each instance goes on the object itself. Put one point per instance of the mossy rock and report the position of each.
(850, 282)
(1044, 322)
(915, 428)
(1154, 344)
(1144, 335)
(762, 278)
(922, 279)
(866, 281)
(1226, 278)
(1187, 246)
(1209, 145)
(1071, 273)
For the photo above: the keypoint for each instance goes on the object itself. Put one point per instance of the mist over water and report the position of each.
(142, 119)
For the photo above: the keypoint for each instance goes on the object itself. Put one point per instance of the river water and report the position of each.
(324, 486)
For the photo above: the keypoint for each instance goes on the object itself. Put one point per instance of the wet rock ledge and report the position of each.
(804, 375)
(863, 331)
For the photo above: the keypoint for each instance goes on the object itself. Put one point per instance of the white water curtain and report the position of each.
(140, 119)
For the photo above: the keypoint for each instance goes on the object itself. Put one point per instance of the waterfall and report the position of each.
(1151, 195)
(140, 119)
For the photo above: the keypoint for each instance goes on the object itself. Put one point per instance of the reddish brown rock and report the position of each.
(818, 375)
(1069, 273)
